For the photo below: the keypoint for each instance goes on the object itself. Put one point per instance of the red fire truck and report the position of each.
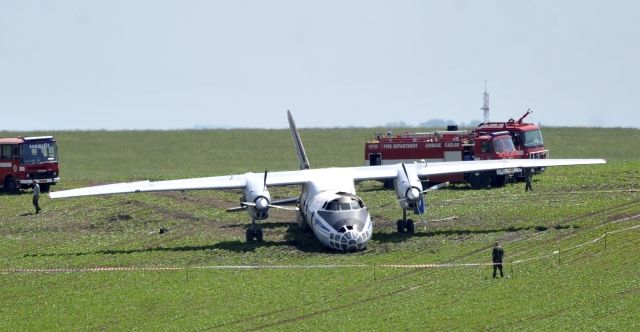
(24, 160)
(450, 145)
(487, 141)
(527, 137)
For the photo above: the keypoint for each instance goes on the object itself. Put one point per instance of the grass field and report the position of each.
(558, 277)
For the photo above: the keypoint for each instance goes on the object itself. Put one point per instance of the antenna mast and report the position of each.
(485, 105)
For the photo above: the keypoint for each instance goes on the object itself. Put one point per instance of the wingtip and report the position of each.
(57, 194)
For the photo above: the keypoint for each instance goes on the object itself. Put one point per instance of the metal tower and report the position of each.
(485, 105)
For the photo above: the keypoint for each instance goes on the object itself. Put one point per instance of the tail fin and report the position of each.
(302, 156)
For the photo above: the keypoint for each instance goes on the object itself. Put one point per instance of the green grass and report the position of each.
(585, 287)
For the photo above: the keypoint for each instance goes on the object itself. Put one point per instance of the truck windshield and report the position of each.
(533, 138)
(38, 151)
(503, 144)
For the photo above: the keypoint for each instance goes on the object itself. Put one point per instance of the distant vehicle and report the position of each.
(487, 141)
(328, 204)
(24, 160)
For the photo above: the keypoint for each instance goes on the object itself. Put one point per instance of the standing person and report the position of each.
(527, 179)
(496, 256)
(36, 196)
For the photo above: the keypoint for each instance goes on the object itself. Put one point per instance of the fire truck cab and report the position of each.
(527, 137)
(25, 160)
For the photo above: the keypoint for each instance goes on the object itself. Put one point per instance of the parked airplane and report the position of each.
(328, 204)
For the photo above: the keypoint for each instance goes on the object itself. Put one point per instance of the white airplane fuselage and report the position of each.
(336, 216)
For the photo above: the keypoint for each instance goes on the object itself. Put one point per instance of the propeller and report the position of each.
(261, 203)
(412, 193)
(262, 207)
(244, 205)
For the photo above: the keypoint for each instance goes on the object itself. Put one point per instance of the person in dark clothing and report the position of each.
(496, 256)
(36, 196)
(527, 179)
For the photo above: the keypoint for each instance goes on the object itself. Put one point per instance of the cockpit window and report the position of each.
(344, 204)
(333, 206)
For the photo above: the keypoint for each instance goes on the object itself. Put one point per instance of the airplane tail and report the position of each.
(302, 155)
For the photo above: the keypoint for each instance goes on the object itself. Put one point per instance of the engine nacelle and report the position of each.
(408, 187)
(256, 199)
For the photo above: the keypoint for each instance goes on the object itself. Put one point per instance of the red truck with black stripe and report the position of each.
(26, 160)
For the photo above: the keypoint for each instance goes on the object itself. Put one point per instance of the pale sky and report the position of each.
(181, 64)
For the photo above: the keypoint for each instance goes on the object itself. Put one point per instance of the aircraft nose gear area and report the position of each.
(254, 233)
(349, 241)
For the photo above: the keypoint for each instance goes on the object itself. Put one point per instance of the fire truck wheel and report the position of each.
(498, 181)
(45, 188)
(479, 181)
(10, 186)
(410, 228)
(400, 224)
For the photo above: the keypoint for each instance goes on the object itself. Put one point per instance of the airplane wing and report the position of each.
(438, 168)
(238, 181)
(487, 165)
(362, 173)
(217, 182)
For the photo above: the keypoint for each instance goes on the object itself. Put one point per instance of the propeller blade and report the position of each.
(404, 168)
(265, 180)
(236, 209)
(288, 208)
(387, 204)
(292, 200)
(436, 187)
(281, 207)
